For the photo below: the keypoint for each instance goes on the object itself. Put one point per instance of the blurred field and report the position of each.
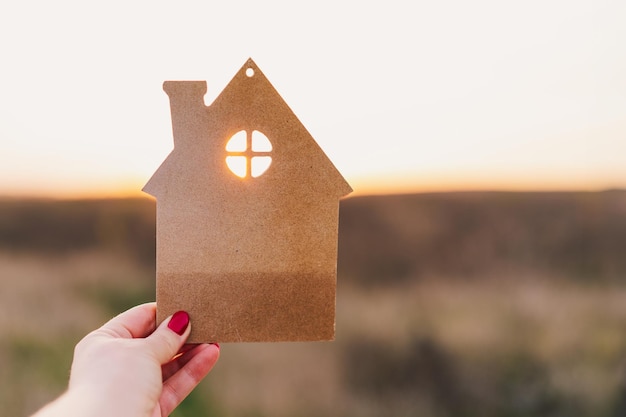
(455, 304)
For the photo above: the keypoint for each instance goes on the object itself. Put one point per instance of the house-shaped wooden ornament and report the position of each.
(247, 217)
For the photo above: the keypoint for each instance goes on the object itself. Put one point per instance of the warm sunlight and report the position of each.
(478, 267)
(248, 153)
(238, 165)
(436, 97)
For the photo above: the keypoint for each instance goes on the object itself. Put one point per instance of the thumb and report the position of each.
(169, 337)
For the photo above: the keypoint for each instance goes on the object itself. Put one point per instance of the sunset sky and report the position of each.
(401, 95)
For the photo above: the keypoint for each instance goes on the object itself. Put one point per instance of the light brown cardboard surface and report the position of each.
(250, 259)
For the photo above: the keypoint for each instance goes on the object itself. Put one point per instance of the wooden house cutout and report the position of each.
(247, 217)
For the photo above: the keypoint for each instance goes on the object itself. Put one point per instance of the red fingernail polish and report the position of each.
(179, 322)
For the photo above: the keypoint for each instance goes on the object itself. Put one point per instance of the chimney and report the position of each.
(187, 108)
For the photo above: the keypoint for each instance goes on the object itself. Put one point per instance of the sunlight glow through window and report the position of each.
(248, 154)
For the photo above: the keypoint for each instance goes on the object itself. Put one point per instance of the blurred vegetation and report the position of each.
(452, 304)
(53, 227)
(575, 235)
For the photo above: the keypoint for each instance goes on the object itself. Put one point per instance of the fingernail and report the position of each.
(179, 322)
(216, 344)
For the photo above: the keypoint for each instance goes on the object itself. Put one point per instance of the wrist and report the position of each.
(73, 402)
(62, 406)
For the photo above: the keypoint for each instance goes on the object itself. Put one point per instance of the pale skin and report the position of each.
(131, 367)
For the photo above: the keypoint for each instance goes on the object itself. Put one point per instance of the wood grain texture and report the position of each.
(222, 239)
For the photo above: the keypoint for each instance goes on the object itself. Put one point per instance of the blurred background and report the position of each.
(481, 266)
(448, 304)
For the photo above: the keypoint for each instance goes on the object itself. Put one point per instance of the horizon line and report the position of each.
(122, 194)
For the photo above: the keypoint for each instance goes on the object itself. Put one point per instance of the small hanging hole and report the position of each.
(249, 72)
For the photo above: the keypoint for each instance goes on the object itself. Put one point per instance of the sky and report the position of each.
(402, 96)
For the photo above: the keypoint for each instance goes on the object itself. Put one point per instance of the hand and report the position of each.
(129, 367)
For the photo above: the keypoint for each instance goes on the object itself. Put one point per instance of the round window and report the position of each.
(248, 153)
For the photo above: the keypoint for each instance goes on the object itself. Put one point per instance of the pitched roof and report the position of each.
(250, 102)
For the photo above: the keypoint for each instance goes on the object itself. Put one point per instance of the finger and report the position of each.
(181, 383)
(186, 353)
(169, 337)
(139, 321)
(189, 346)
